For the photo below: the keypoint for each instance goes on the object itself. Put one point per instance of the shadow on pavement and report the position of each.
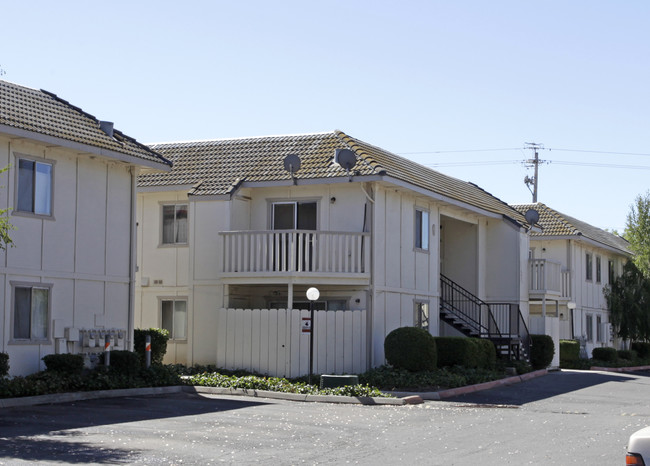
(48, 432)
(553, 384)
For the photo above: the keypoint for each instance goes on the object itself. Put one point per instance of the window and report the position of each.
(174, 226)
(421, 229)
(599, 329)
(422, 314)
(174, 318)
(294, 215)
(31, 312)
(34, 194)
(610, 272)
(590, 327)
(598, 273)
(589, 272)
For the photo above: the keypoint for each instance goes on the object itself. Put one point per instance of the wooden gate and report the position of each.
(271, 341)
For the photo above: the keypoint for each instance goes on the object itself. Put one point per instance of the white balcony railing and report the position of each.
(549, 277)
(304, 251)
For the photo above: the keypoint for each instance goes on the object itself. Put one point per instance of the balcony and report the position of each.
(548, 278)
(296, 253)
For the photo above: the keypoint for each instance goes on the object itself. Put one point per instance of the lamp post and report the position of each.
(312, 295)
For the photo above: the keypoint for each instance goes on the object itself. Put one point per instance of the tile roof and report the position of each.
(554, 223)
(217, 167)
(46, 114)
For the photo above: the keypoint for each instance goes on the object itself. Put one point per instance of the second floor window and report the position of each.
(421, 229)
(589, 271)
(174, 225)
(610, 272)
(34, 193)
(598, 272)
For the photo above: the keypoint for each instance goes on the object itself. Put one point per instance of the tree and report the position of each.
(628, 302)
(637, 232)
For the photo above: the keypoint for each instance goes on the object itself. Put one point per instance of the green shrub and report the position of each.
(125, 362)
(604, 354)
(411, 348)
(64, 363)
(159, 338)
(569, 350)
(486, 352)
(457, 351)
(4, 364)
(629, 355)
(642, 349)
(542, 351)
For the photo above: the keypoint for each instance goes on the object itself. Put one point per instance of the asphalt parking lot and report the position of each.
(562, 418)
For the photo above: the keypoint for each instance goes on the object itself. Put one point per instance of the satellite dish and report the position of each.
(346, 159)
(532, 216)
(292, 163)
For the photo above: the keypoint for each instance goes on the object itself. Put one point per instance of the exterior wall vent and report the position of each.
(158, 282)
(107, 127)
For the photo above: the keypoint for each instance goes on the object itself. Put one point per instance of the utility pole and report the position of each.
(534, 162)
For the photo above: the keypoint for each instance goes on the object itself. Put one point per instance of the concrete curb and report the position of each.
(620, 369)
(80, 396)
(493, 384)
(302, 397)
(403, 398)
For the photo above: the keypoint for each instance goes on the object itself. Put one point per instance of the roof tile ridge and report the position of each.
(494, 197)
(240, 138)
(96, 120)
(354, 145)
(562, 218)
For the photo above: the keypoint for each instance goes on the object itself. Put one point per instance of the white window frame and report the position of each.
(421, 229)
(162, 224)
(421, 314)
(295, 202)
(32, 212)
(174, 300)
(31, 340)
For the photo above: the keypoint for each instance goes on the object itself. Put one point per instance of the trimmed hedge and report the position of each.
(159, 338)
(4, 364)
(542, 351)
(605, 354)
(65, 363)
(629, 355)
(569, 350)
(642, 349)
(411, 348)
(487, 353)
(125, 362)
(466, 352)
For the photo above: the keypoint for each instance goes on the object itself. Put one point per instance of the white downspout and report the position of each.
(132, 260)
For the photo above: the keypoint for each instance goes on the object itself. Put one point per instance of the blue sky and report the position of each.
(424, 79)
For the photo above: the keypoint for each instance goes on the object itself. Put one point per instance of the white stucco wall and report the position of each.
(82, 251)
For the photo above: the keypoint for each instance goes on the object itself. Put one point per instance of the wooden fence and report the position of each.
(271, 341)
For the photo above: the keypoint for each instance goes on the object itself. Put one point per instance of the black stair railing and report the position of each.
(467, 308)
(503, 323)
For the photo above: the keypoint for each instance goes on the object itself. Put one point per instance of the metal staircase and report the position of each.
(501, 323)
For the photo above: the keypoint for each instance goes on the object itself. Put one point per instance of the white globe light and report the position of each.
(313, 294)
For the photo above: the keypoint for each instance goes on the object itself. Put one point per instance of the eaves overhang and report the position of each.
(84, 148)
(584, 239)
